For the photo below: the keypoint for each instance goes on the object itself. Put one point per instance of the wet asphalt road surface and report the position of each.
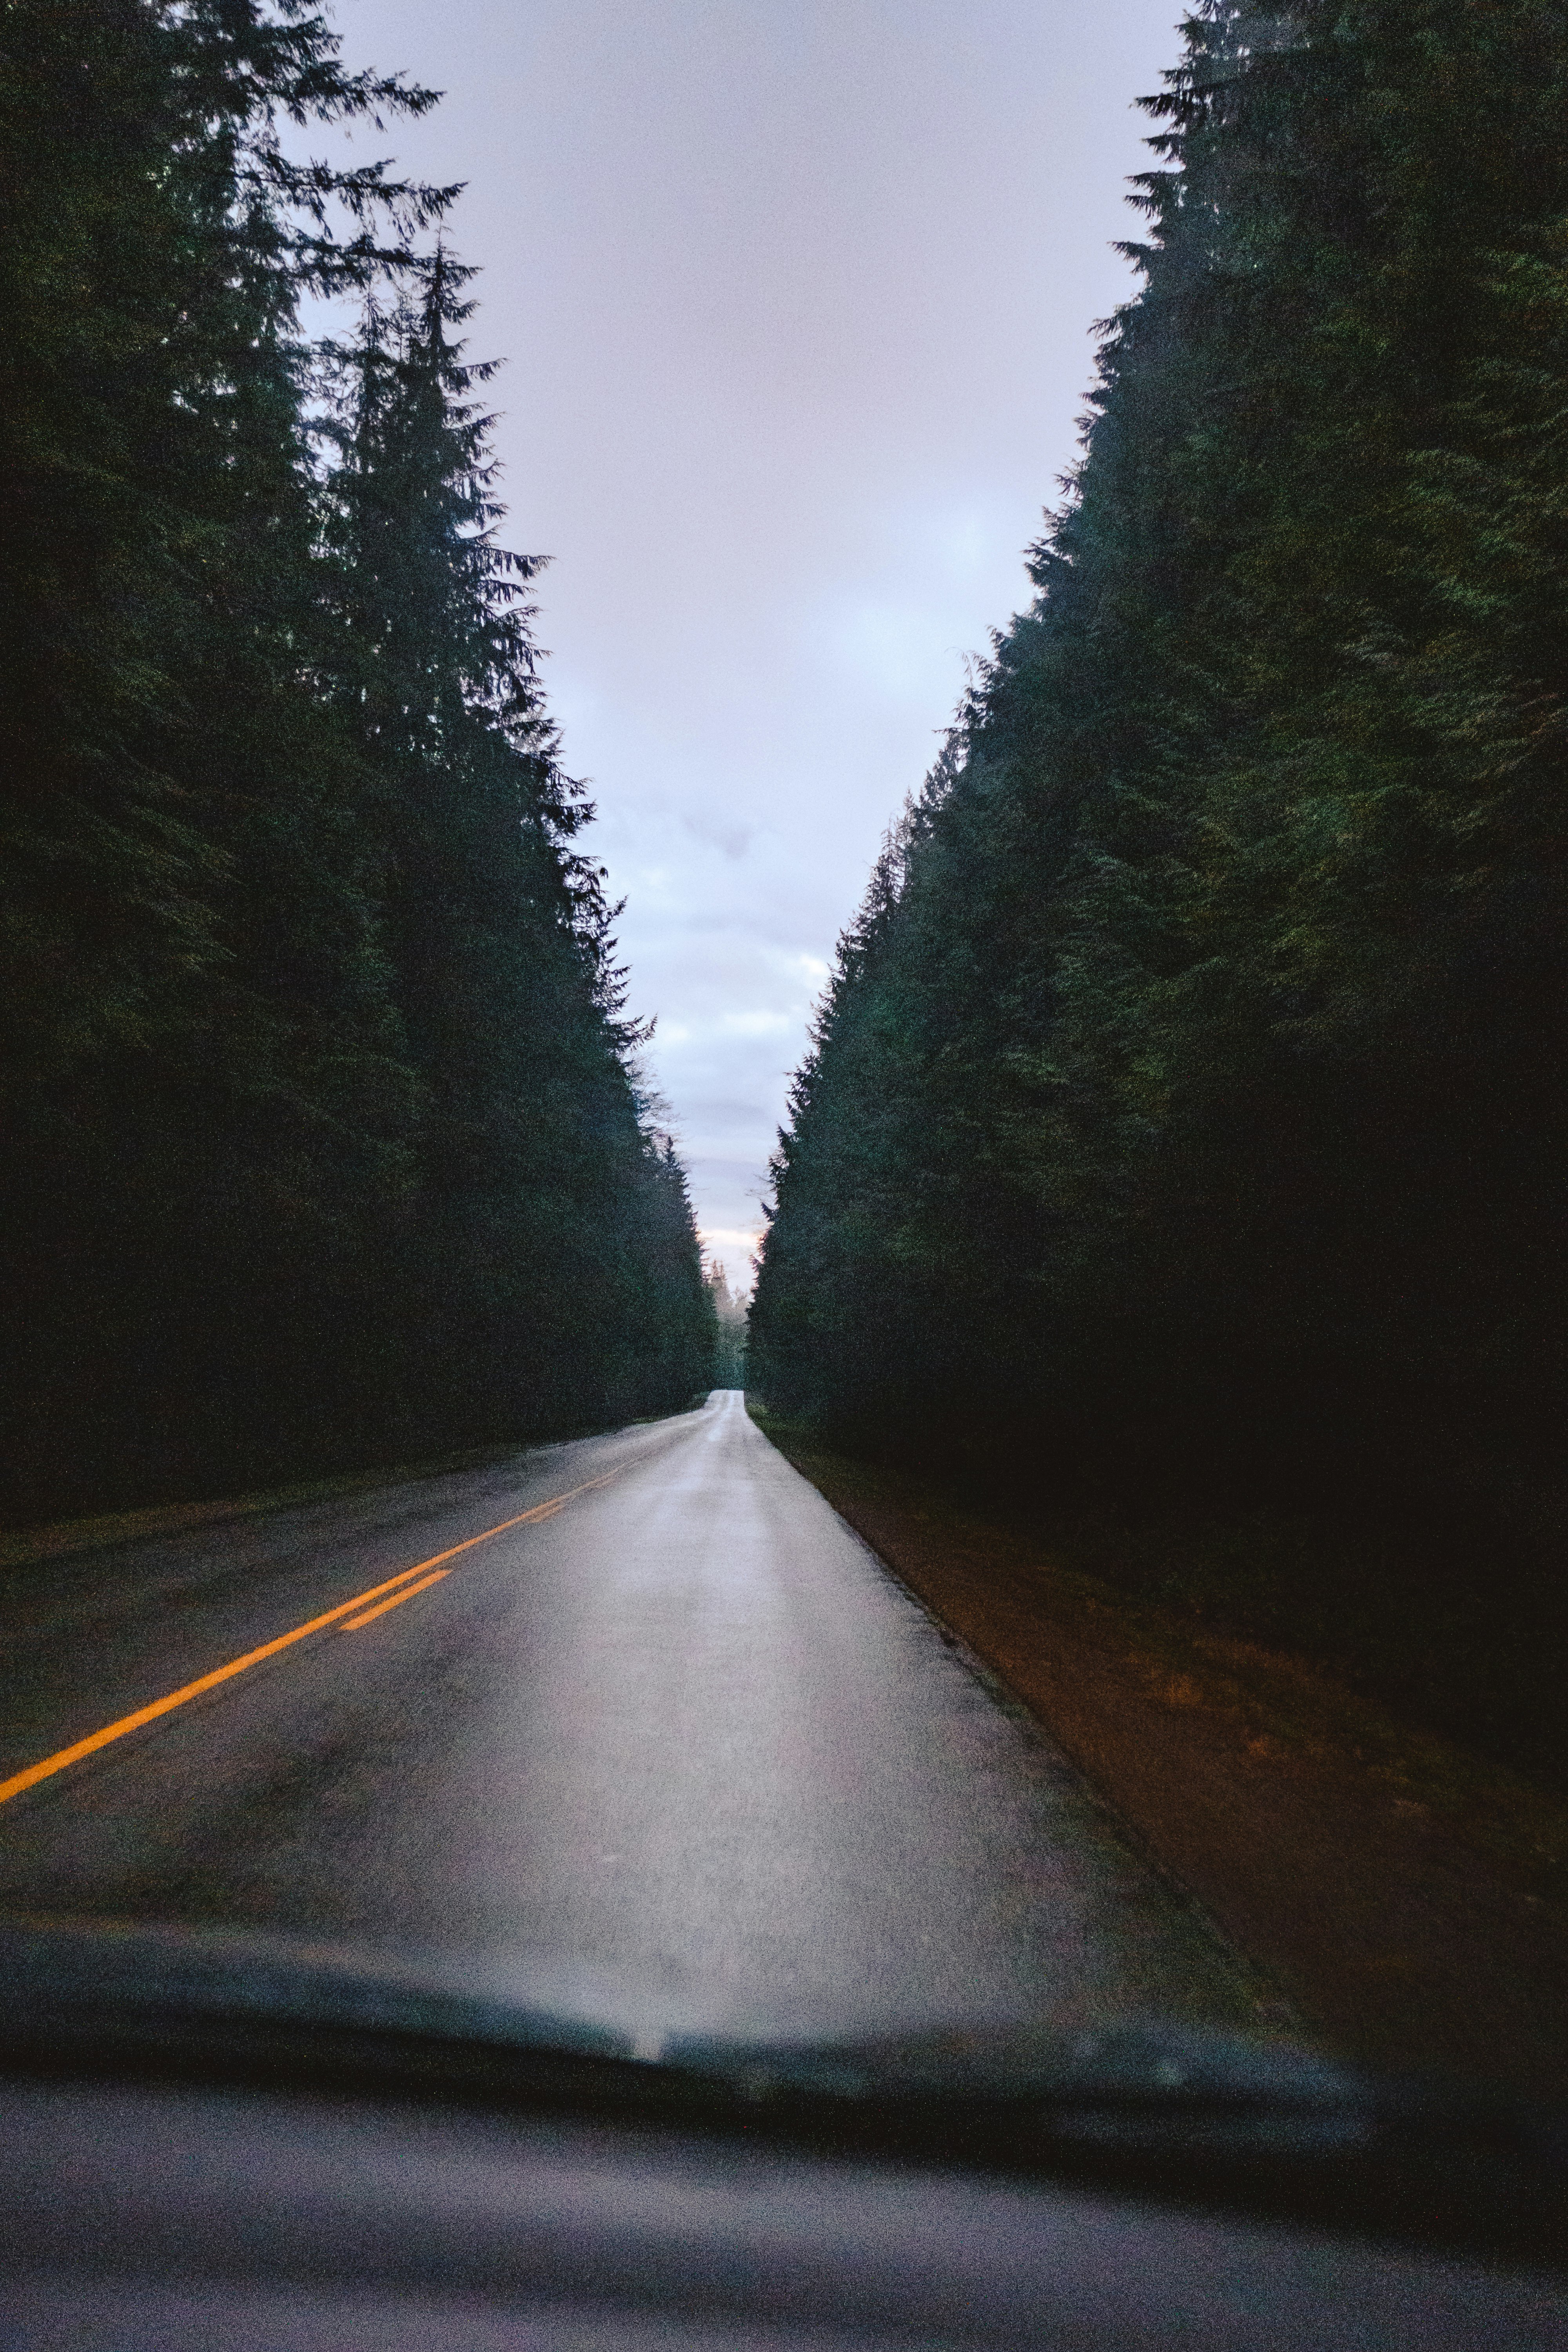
(684, 1728)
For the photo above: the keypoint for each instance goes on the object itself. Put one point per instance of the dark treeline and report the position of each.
(324, 1142)
(730, 1311)
(1186, 1127)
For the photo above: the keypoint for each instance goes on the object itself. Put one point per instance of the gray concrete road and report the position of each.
(683, 1726)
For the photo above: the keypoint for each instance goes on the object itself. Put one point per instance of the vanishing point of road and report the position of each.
(641, 1702)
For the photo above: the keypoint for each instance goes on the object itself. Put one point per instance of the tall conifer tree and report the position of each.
(535, 1172)
(1184, 1128)
(303, 983)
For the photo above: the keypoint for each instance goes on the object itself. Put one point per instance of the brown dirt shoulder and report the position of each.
(1410, 1898)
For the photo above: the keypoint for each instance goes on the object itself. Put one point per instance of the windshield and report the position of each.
(662, 1712)
(992, 1490)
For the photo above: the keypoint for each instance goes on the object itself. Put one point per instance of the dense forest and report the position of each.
(324, 1142)
(1184, 1137)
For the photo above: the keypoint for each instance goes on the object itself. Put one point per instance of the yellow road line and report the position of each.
(150, 1714)
(353, 1625)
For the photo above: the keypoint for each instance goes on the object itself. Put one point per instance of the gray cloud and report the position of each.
(796, 299)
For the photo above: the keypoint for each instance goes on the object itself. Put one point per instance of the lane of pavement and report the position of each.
(87, 1639)
(681, 1726)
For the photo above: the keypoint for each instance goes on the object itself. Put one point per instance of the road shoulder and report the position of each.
(1410, 1898)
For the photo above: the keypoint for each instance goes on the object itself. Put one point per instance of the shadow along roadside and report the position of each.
(1410, 1898)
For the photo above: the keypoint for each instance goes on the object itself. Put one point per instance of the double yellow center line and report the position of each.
(348, 1615)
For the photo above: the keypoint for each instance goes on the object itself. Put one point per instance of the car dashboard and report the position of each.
(215, 2144)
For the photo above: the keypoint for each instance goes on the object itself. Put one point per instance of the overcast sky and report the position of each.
(796, 299)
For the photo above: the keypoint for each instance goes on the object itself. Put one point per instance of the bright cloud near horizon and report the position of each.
(797, 300)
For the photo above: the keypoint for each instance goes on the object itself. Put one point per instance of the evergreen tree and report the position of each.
(531, 1150)
(201, 1066)
(305, 991)
(1182, 1123)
